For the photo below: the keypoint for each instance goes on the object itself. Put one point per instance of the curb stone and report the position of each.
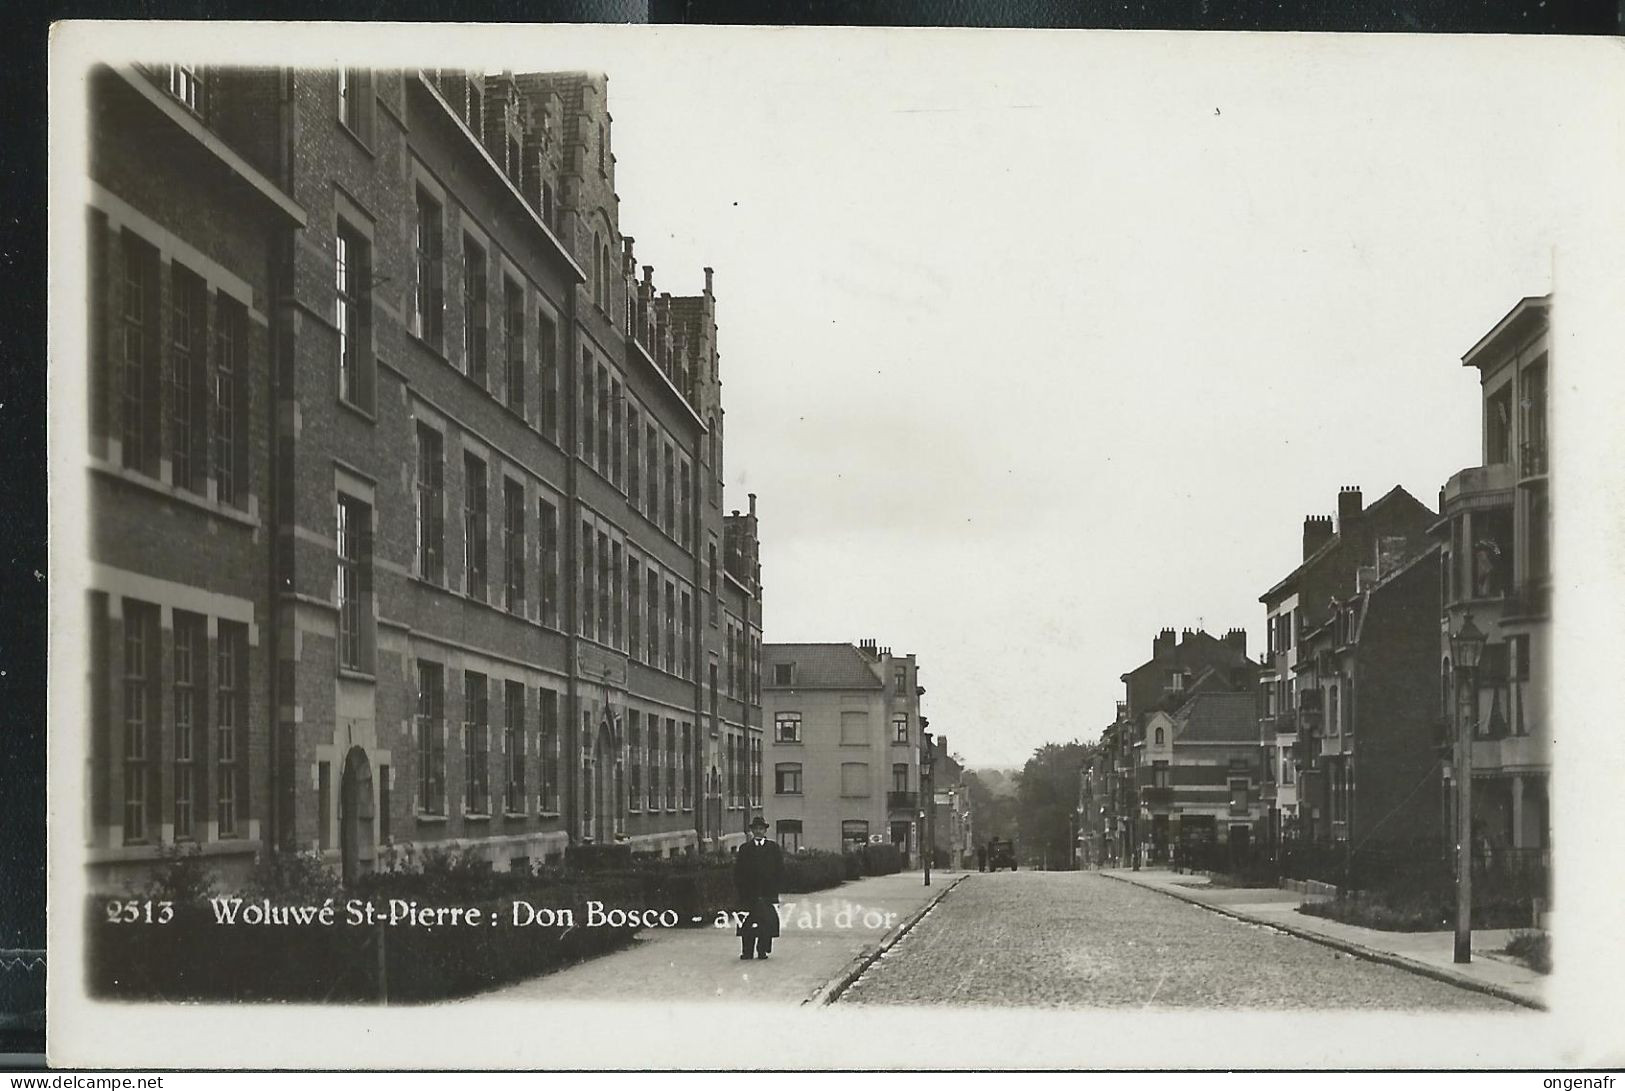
(1370, 954)
(828, 992)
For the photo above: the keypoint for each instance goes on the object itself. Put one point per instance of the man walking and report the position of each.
(758, 868)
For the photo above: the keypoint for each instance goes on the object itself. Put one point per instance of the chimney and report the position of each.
(708, 272)
(1163, 644)
(1317, 531)
(1349, 508)
(752, 504)
(1237, 639)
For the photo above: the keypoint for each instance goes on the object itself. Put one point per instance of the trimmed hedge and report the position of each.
(194, 957)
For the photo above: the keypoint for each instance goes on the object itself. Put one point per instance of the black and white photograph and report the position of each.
(601, 547)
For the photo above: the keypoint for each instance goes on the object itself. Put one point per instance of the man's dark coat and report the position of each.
(758, 874)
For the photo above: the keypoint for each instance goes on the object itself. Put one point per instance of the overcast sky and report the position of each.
(1033, 344)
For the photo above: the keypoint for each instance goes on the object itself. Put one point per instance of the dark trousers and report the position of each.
(756, 934)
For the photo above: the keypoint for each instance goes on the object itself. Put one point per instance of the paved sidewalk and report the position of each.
(828, 936)
(1429, 953)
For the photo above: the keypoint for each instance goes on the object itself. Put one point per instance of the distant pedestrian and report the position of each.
(981, 857)
(758, 873)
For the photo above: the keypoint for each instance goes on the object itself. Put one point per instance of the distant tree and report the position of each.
(992, 814)
(1046, 795)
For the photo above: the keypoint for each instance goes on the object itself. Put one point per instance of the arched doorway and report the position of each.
(603, 788)
(356, 840)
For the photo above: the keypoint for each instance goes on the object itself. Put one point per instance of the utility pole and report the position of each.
(1467, 643)
(928, 800)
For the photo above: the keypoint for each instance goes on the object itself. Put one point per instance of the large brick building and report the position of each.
(1392, 528)
(845, 748)
(185, 232)
(469, 533)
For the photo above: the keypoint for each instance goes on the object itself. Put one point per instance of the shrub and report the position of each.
(297, 878)
(595, 857)
(1533, 949)
(1388, 912)
(811, 870)
(181, 877)
(882, 859)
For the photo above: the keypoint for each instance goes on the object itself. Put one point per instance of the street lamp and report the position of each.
(1466, 645)
(928, 794)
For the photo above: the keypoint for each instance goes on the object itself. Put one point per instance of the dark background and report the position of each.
(23, 200)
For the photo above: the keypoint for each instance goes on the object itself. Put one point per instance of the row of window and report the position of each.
(742, 771)
(629, 449)
(744, 657)
(665, 759)
(529, 748)
(854, 728)
(787, 778)
(182, 711)
(176, 356)
(854, 833)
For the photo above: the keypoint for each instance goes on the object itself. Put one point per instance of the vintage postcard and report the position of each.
(602, 547)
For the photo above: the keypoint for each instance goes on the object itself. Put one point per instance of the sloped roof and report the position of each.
(820, 666)
(1335, 542)
(1218, 717)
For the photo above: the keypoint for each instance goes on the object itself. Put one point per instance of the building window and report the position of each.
(230, 338)
(671, 765)
(686, 665)
(584, 440)
(616, 611)
(385, 783)
(513, 342)
(652, 498)
(186, 85)
(431, 505)
(684, 767)
(711, 574)
(324, 805)
(787, 778)
(900, 680)
(140, 715)
(431, 733)
(1161, 737)
(188, 380)
(513, 747)
(854, 728)
(352, 275)
(550, 749)
(671, 627)
(476, 745)
(547, 351)
(654, 617)
(231, 722)
(634, 608)
(617, 410)
(139, 396)
(634, 750)
(787, 727)
(602, 585)
(899, 776)
(789, 834)
(654, 763)
(513, 544)
(474, 303)
(354, 548)
(756, 772)
(548, 532)
(428, 316)
(355, 87)
(1238, 796)
(899, 729)
(1289, 771)
(854, 834)
(475, 528)
(685, 489)
(783, 674)
(668, 490)
(634, 456)
(602, 389)
(598, 259)
(186, 714)
(854, 778)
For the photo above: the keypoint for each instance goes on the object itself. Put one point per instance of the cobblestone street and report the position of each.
(1063, 939)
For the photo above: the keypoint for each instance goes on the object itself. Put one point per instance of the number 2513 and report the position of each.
(147, 912)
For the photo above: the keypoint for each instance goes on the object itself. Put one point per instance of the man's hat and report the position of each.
(758, 823)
